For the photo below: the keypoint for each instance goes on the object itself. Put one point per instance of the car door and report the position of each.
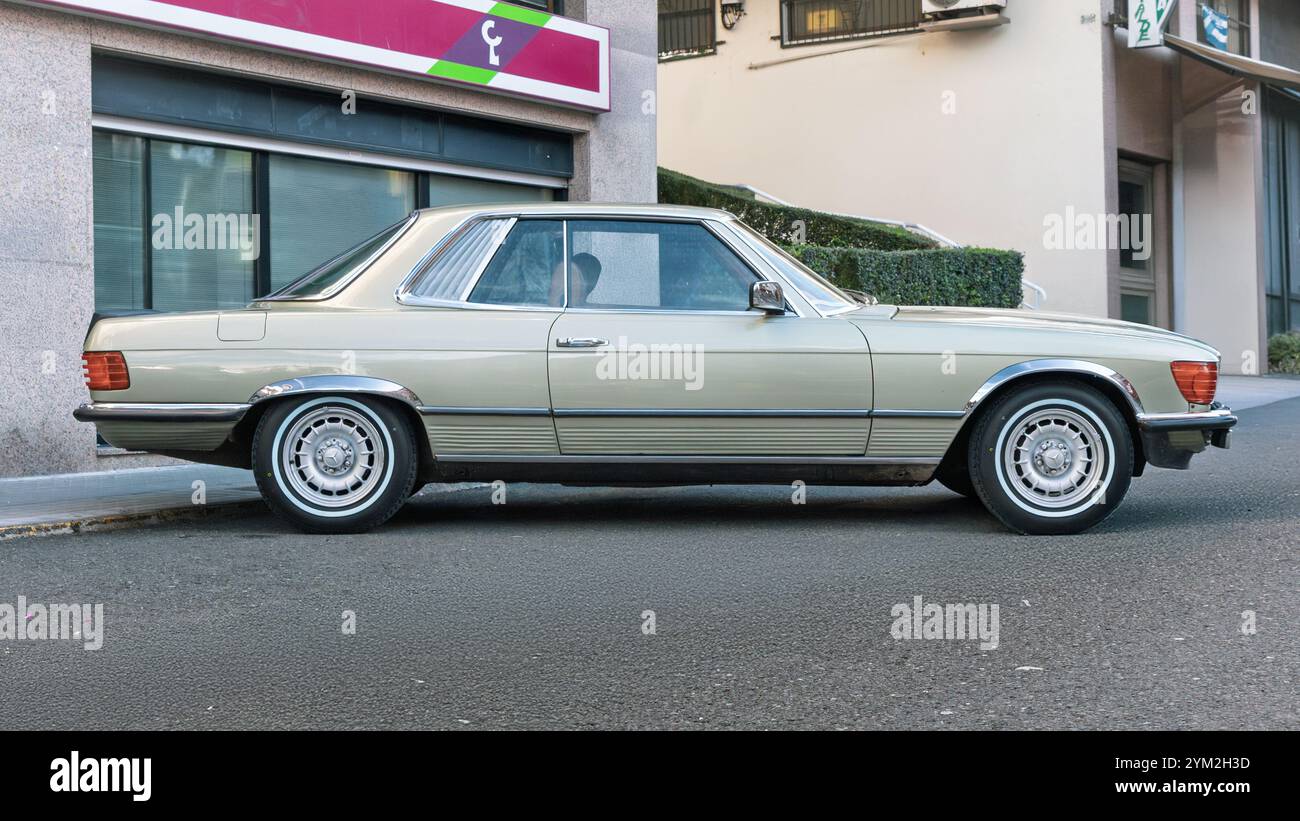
(658, 353)
(482, 310)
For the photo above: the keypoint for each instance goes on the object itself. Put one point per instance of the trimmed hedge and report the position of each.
(1284, 353)
(778, 221)
(974, 277)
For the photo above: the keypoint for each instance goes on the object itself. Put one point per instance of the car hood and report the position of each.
(1037, 320)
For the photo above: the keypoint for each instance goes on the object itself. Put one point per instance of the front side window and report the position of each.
(823, 295)
(623, 264)
(528, 268)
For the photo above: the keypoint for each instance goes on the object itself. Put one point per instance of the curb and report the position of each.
(121, 521)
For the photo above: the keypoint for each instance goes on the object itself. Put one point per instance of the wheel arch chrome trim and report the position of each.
(335, 383)
(1030, 367)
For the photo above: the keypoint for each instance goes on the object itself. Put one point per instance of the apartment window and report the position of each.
(1236, 37)
(687, 28)
(822, 21)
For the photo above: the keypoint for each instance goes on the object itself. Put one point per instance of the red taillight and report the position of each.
(105, 371)
(1197, 381)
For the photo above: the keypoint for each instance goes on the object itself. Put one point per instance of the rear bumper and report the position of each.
(162, 428)
(139, 412)
(1170, 440)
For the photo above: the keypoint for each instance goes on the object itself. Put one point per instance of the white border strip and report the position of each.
(192, 21)
(203, 135)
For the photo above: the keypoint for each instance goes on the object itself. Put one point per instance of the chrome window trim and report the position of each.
(356, 272)
(732, 240)
(403, 291)
(741, 236)
(485, 262)
(662, 311)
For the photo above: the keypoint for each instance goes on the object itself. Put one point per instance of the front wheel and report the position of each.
(1051, 458)
(334, 464)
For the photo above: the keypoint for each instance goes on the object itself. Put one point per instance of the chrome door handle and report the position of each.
(581, 342)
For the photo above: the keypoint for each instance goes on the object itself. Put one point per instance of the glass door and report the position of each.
(1137, 256)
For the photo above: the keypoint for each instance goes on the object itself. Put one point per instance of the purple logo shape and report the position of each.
(492, 43)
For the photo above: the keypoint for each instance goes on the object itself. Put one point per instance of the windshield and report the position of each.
(335, 273)
(824, 296)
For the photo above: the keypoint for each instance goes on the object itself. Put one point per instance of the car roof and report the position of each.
(616, 209)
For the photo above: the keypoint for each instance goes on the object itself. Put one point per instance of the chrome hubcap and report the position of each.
(1054, 458)
(333, 456)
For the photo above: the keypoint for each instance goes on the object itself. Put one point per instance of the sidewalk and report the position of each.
(1242, 392)
(69, 503)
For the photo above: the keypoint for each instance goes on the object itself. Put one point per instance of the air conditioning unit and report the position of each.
(951, 8)
(952, 15)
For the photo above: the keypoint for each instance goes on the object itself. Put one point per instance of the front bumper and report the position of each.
(1170, 440)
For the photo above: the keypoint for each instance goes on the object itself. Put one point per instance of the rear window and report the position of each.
(333, 275)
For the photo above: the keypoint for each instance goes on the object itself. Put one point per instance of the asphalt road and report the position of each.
(471, 615)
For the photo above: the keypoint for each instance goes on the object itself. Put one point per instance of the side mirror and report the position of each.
(767, 297)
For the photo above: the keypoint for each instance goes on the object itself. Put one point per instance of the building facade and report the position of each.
(171, 155)
(1159, 185)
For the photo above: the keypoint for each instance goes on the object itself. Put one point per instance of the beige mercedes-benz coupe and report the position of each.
(641, 345)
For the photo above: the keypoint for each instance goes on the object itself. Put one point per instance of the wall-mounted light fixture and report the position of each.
(731, 13)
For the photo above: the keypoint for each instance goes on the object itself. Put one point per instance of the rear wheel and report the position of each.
(1051, 458)
(334, 464)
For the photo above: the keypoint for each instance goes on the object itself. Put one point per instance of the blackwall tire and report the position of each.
(334, 464)
(956, 479)
(1052, 458)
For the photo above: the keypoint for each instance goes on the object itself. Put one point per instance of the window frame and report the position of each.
(788, 42)
(1242, 26)
(761, 271)
(758, 276)
(705, 50)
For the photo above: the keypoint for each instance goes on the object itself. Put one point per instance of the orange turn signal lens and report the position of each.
(105, 371)
(1197, 381)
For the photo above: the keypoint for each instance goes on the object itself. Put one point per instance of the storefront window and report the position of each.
(119, 222)
(203, 229)
(448, 190)
(320, 209)
(187, 226)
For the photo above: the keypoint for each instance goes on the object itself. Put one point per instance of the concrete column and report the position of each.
(46, 244)
(623, 139)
